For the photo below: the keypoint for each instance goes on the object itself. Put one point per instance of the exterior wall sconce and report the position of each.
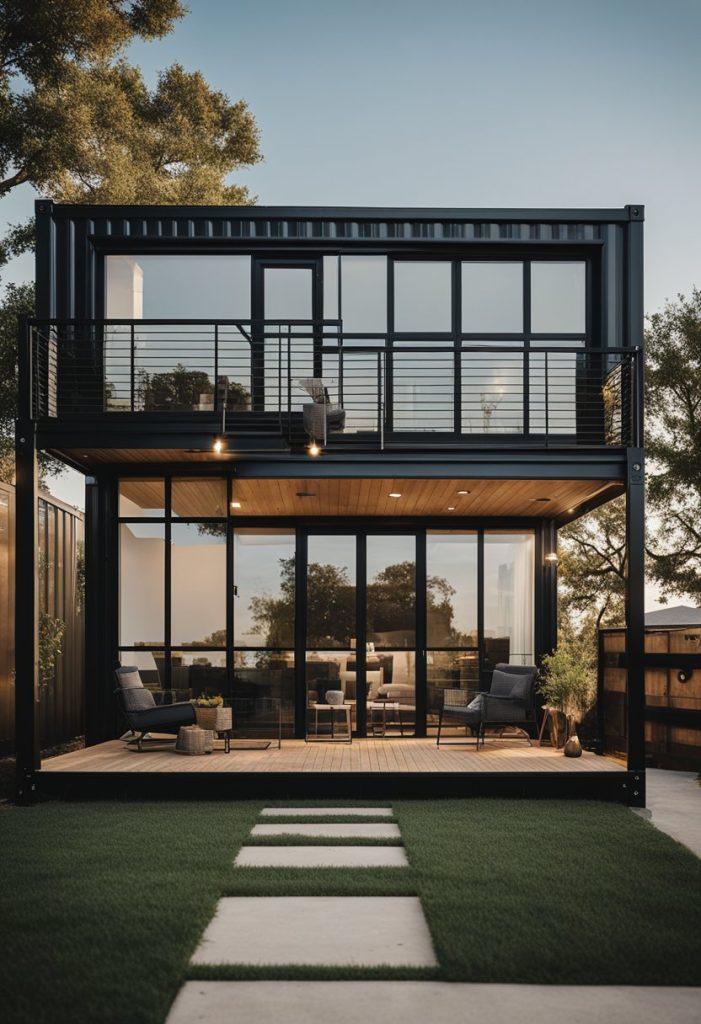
(551, 558)
(313, 449)
(219, 445)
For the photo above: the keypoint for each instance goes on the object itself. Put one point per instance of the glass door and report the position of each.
(360, 610)
(286, 291)
(390, 634)
(331, 633)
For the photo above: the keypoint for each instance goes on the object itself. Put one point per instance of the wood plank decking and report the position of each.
(363, 756)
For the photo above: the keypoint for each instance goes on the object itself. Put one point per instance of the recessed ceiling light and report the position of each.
(451, 508)
(394, 494)
(236, 504)
(463, 493)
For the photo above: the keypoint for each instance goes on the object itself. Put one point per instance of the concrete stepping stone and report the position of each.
(366, 830)
(322, 812)
(321, 856)
(396, 1002)
(329, 931)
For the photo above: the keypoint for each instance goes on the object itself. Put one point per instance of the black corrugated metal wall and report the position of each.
(61, 691)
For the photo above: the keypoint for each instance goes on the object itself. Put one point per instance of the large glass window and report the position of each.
(199, 497)
(451, 588)
(142, 497)
(141, 584)
(492, 298)
(423, 390)
(557, 380)
(198, 584)
(558, 298)
(264, 587)
(508, 598)
(364, 294)
(492, 391)
(288, 296)
(452, 658)
(159, 367)
(422, 296)
(331, 584)
(178, 287)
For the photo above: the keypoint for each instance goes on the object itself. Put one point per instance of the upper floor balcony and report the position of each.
(306, 380)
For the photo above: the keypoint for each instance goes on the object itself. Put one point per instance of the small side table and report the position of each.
(345, 709)
(552, 721)
(383, 706)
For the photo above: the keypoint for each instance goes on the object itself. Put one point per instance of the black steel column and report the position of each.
(635, 609)
(300, 729)
(635, 516)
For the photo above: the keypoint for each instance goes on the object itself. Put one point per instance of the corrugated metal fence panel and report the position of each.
(61, 691)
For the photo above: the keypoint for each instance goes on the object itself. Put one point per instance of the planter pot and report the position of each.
(334, 697)
(214, 719)
(573, 748)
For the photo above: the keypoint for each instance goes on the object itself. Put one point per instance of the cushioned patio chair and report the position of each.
(509, 704)
(142, 713)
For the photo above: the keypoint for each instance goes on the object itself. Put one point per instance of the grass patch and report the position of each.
(563, 892)
(321, 882)
(103, 904)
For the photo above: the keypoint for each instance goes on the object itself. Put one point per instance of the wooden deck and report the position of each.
(387, 755)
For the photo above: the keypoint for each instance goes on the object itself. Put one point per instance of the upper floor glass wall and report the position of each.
(196, 287)
(505, 297)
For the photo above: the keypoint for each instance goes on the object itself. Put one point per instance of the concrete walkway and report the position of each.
(674, 806)
(429, 1002)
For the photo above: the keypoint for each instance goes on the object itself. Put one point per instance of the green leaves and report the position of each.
(673, 395)
(78, 121)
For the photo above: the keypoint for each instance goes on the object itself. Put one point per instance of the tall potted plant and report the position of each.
(567, 682)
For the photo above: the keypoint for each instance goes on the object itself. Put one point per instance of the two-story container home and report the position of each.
(329, 449)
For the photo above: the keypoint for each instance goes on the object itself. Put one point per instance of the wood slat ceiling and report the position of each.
(336, 497)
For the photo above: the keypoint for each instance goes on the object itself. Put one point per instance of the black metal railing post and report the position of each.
(132, 366)
(216, 368)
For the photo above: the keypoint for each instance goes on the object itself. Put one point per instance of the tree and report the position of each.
(331, 614)
(673, 386)
(77, 121)
(18, 302)
(592, 567)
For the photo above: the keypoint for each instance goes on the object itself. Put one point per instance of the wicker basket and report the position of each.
(216, 719)
(194, 741)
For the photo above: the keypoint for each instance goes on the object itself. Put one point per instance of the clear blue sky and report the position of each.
(464, 103)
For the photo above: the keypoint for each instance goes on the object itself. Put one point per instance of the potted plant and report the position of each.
(567, 682)
(208, 711)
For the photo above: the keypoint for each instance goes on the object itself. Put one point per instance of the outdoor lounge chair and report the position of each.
(142, 713)
(509, 704)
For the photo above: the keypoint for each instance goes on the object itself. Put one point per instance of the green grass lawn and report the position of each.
(102, 904)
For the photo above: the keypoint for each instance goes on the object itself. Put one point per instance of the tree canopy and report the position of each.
(78, 121)
(673, 439)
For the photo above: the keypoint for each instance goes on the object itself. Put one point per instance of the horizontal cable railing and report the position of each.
(274, 373)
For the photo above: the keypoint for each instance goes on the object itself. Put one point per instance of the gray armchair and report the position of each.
(142, 713)
(508, 704)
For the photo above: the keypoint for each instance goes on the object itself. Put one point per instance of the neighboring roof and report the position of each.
(679, 615)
